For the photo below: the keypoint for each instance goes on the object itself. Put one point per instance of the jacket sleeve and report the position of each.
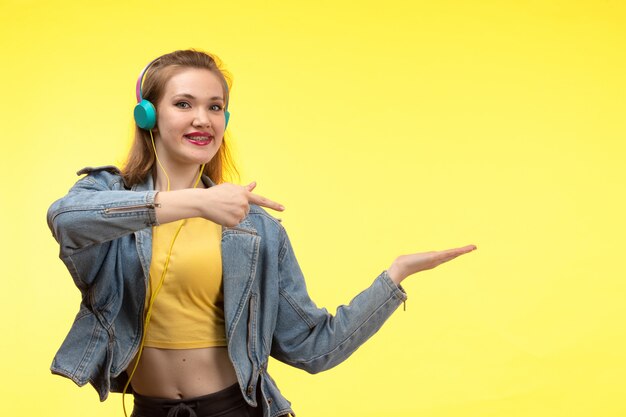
(310, 338)
(94, 212)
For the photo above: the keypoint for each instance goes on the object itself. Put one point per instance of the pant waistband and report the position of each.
(206, 405)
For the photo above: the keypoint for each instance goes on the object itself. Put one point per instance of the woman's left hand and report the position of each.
(406, 265)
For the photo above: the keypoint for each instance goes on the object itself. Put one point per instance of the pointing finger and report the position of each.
(265, 202)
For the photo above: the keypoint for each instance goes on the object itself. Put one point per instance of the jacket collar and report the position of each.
(148, 183)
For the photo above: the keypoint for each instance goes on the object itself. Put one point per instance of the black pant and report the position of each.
(226, 403)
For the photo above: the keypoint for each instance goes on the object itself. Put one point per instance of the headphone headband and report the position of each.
(140, 80)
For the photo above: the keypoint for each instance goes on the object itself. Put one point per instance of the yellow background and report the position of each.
(384, 127)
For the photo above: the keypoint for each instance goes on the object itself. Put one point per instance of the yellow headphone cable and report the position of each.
(158, 288)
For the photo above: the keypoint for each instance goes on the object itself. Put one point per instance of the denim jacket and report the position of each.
(104, 231)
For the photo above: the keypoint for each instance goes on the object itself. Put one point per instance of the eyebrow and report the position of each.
(189, 96)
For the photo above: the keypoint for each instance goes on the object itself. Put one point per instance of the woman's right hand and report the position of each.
(225, 204)
(228, 204)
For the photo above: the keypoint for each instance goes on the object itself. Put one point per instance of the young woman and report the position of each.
(188, 284)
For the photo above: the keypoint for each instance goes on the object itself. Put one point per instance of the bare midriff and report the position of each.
(182, 373)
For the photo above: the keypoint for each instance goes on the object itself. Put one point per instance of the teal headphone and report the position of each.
(145, 112)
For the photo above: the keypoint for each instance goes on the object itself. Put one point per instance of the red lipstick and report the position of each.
(199, 138)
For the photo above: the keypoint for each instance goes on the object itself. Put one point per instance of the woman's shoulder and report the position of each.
(105, 176)
(111, 169)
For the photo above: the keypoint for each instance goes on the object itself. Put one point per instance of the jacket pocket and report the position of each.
(251, 345)
(236, 229)
(252, 328)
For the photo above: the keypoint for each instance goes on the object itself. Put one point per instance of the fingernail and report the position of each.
(282, 207)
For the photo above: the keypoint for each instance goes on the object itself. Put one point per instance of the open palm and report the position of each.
(406, 265)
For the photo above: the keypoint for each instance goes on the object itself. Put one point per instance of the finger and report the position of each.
(460, 251)
(265, 202)
(449, 254)
(251, 186)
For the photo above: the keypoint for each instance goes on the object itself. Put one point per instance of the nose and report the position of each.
(202, 118)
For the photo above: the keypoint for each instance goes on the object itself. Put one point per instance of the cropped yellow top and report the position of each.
(188, 311)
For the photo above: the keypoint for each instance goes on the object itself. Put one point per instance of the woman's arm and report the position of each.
(226, 204)
(97, 209)
(310, 338)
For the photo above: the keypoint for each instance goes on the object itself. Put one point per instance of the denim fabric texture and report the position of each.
(104, 231)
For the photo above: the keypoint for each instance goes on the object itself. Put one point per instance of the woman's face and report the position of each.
(190, 118)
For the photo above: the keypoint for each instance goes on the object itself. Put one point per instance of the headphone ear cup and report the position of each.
(145, 115)
(226, 117)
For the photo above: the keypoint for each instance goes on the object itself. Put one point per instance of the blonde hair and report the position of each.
(140, 160)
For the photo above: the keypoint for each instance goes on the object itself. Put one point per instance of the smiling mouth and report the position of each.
(199, 140)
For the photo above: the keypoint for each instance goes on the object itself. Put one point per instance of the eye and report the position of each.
(216, 107)
(182, 105)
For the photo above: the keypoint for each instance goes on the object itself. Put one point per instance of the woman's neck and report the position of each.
(171, 174)
(179, 179)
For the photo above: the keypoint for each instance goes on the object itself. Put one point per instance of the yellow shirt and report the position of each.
(188, 311)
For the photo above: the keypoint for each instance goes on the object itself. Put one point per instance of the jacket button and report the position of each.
(249, 390)
(269, 401)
